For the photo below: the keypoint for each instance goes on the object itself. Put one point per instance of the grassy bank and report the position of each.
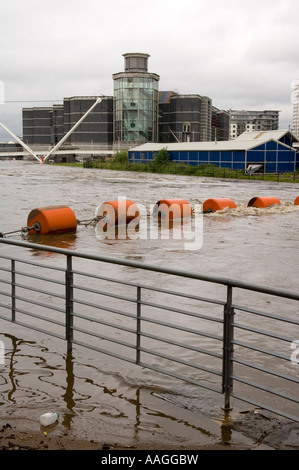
(200, 170)
(162, 164)
(70, 164)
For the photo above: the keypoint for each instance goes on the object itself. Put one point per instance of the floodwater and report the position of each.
(98, 396)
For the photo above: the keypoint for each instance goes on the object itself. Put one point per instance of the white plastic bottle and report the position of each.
(48, 418)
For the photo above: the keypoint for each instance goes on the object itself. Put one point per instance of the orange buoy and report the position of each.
(171, 209)
(51, 220)
(296, 202)
(120, 212)
(263, 201)
(213, 205)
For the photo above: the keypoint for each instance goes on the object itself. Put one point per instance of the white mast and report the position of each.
(20, 142)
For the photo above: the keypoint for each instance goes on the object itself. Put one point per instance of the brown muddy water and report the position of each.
(95, 394)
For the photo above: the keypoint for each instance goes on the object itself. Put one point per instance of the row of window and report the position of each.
(135, 82)
(223, 156)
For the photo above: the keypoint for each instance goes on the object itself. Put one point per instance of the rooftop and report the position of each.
(245, 141)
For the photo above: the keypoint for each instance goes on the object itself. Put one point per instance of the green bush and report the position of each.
(120, 157)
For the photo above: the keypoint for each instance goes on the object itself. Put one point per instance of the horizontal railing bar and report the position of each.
(102, 307)
(143, 302)
(39, 291)
(7, 294)
(104, 278)
(32, 263)
(149, 304)
(148, 335)
(265, 389)
(262, 332)
(6, 270)
(265, 314)
(107, 294)
(103, 351)
(156, 289)
(178, 310)
(153, 268)
(181, 345)
(103, 337)
(149, 320)
(39, 317)
(181, 328)
(40, 278)
(5, 306)
(132, 346)
(182, 294)
(179, 361)
(5, 318)
(265, 351)
(4, 281)
(265, 369)
(102, 322)
(39, 304)
(41, 330)
(265, 407)
(147, 366)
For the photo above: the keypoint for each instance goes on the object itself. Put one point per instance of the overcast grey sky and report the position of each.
(242, 54)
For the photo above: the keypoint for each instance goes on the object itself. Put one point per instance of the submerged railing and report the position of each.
(183, 324)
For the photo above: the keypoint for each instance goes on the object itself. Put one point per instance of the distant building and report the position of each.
(11, 150)
(184, 118)
(250, 121)
(97, 127)
(37, 125)
(136, 101)
(138, 113)
(220, 124)
(271, 152)
(45, 126)
(56, 124)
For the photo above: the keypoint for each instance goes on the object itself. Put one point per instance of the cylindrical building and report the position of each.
(136, 101)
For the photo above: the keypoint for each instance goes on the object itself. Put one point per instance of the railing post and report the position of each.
(228, 335)
(69, 303)
(138, 329)
(13, 291)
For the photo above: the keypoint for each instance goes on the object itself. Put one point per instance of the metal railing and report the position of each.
(230, 347)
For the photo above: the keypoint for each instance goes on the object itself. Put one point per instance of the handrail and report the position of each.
(149, 267)
(138, 316)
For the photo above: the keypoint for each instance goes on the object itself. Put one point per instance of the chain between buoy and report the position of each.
(36, 226)
(90, 221)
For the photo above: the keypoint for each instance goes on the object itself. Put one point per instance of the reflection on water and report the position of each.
(255, 245)
(66, 241)
(91, 404)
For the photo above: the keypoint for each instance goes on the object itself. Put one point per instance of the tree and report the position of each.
(162, 157)
(121, 156)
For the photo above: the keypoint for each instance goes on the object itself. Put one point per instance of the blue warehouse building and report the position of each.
(272, 151)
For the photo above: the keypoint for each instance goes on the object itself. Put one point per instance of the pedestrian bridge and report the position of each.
(88, 151)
